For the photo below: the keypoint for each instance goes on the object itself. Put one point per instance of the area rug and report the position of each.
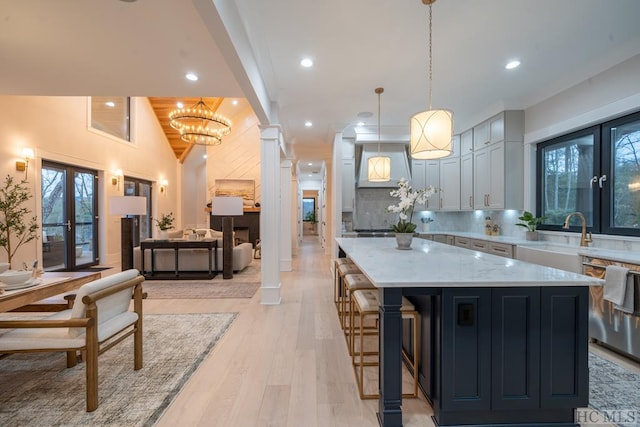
(244, 284)
(38, 389)
(614, 391)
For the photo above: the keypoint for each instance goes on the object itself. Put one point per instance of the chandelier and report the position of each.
(199, 124)
(431, 130)
(379, 167)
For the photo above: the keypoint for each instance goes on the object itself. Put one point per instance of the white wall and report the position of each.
(56, 128)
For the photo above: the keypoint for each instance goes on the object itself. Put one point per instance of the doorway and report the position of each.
(69, 217)
(310, 212)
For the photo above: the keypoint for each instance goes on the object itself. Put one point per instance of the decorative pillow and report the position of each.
(215, 234)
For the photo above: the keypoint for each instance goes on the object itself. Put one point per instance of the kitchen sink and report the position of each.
(551, 255)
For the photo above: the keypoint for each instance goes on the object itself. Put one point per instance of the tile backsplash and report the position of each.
(371, 213)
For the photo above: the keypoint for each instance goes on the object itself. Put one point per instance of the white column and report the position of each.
(270, 214)
(285, 215)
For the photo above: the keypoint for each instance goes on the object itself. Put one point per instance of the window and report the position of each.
(595, 171)
(309, 209)
(111, 115)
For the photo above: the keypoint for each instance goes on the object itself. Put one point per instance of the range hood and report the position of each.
(399, 164)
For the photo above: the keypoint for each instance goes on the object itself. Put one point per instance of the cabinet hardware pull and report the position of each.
(602, 179)
(470, 201)
(592, 180)
(440, 202)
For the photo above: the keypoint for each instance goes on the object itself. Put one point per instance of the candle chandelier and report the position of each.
(431, 130)
(199, 124)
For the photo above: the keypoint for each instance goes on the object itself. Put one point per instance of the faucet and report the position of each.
(584, 239)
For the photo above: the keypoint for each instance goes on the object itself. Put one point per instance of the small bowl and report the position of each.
(4, 266)
(15, 277)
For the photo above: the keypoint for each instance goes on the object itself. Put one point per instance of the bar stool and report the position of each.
(336, 291)
(351, 282)
(365, 304)
(343, 270)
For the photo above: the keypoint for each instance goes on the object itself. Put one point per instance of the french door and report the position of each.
(69, 217)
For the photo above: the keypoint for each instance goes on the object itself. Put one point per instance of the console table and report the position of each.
(176, 245)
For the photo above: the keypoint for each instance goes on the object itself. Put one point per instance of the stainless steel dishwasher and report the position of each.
(607, 325)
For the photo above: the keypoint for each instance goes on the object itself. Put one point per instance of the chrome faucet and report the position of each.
(584, 238)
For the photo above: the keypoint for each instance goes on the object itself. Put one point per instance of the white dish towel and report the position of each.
(618, 288)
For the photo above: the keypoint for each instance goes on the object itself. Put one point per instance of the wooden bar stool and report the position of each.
(351, 282)
(343, 270)
(365, 304)
(336, 290)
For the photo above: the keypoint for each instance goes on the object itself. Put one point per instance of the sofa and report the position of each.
(194, 259)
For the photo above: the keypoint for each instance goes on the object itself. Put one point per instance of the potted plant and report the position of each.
(165, 223)
(15, 228)
(404, 229)
(531, 223)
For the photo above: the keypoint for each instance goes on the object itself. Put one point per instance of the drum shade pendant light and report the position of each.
(379, 167)
(199, 124)
(431, 130)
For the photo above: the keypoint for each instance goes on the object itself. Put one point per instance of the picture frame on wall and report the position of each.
(244, 188)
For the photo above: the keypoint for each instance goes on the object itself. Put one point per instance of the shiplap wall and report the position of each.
(238, 157)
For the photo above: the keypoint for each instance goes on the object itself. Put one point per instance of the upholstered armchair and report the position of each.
(99, 319)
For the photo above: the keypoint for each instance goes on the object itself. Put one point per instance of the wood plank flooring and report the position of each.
(284, 365)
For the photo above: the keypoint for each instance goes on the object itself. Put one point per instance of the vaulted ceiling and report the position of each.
(162, 106)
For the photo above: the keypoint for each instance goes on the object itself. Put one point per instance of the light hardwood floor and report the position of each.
(284, 365)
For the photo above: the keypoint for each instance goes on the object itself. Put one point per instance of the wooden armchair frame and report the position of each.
(92, 347)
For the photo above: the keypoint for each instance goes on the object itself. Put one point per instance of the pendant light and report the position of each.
(431, 130)
(379, 167)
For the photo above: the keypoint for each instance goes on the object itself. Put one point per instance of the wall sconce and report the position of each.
(163, 186)
(115, 179)
(21, 166)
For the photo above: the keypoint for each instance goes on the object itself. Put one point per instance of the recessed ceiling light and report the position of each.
(512, 64)
(234, 102)
(191, 76)
(309, 164)
(308, 124)
(306, 62)
(179, 104)
(110, 104)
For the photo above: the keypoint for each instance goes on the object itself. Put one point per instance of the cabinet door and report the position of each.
(481, 135)
(432, 168)
(450, 184)
(564, 357)
(496, 125)
(466, 182)
(466, 349)
(466, 142)
(481, 175)
(515, 351)
(496, 176)
(348, 184)
(418, 177)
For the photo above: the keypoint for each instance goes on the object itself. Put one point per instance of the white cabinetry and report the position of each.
(466, 182)
(450, 184)
(432, 175)
(348, 184)
(498, 162)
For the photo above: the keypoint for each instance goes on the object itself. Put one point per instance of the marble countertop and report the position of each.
(432, 264)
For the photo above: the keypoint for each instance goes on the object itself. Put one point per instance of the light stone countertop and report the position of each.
(432, 264)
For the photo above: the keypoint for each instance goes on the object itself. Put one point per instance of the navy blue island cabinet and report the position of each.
(503, 355)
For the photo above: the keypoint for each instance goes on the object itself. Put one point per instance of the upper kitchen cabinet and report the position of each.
(466, 142)
(466, 182)
(450, 184)
(423, 174)
(499, 162)
(348, 184)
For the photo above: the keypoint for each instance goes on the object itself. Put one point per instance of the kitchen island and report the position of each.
(508, 339)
